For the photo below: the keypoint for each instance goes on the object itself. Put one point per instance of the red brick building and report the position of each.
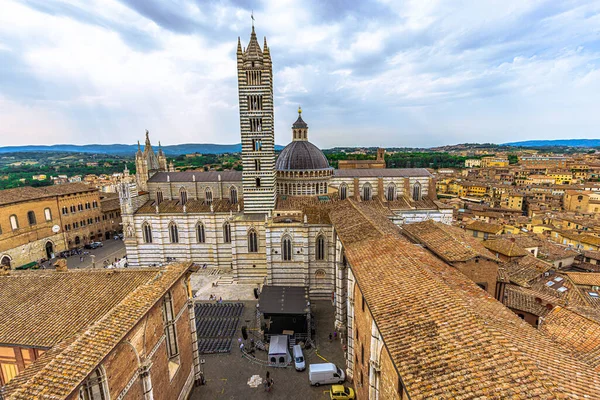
(139, 342)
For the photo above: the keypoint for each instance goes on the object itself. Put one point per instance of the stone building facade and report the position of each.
(40, 223)
(27, 219)
(80, 213)
(268, 223)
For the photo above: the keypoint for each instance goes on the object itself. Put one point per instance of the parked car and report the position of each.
(299, 358)
(324, 373)
(340, 392)
(93, 245)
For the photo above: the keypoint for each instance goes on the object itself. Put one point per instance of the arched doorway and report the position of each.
(49, 250)
(107, 235)
(77, 241)
(5, 262)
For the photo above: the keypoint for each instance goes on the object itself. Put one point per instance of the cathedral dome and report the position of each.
(301, 155)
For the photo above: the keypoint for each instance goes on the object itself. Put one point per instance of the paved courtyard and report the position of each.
(227, 375)
(220, 283)
(110, 250)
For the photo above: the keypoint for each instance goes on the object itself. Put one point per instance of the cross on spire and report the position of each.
(252, 16)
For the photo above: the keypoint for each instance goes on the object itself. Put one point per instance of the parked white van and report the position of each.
(325, 373)
(299, 358)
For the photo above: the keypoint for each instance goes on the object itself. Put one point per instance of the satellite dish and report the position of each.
(55, 228)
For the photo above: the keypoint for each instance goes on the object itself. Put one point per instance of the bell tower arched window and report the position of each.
(286, 248)
(208, 196)
(159, 196)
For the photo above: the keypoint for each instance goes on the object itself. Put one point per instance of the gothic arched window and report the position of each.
(183, 196)
(200, 234)
(286, 248)
(391, 192)
(366, 194)
(416, 192)
(173, 233)
(208, 195)
(320, 248)
(95, 386)
(233, 196)
(252, 241)
(343, 192)
(159, 196)
(226, 232)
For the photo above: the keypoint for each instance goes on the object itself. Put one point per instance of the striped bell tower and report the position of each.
(255, 87)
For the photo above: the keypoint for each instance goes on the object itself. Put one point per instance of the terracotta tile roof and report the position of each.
(525, 300)
(28, 193)
(594, 255)
(584, 278)
(485, 227)
(525, 241)
(447, 242)
(575, 332)
(192, 206)
(199, 176)
(523, 270)
(67, 188)
(21, 194)
(58, 372)
(447, 338)
(562, 288)
(405, 203)
(316, 208)
(583, 238)
(505, 247)
(41, 308)
(110, 204)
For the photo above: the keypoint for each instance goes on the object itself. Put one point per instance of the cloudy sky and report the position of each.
(389, 73)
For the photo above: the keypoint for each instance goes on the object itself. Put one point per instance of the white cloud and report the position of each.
(419, 73)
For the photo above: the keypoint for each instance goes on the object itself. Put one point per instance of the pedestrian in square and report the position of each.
(330, 337)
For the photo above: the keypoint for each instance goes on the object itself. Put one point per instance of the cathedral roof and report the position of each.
(376, 173)
(197, 176)
(301, 155)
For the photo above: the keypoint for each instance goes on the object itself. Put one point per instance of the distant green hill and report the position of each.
(130, 149)
(559, 142)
